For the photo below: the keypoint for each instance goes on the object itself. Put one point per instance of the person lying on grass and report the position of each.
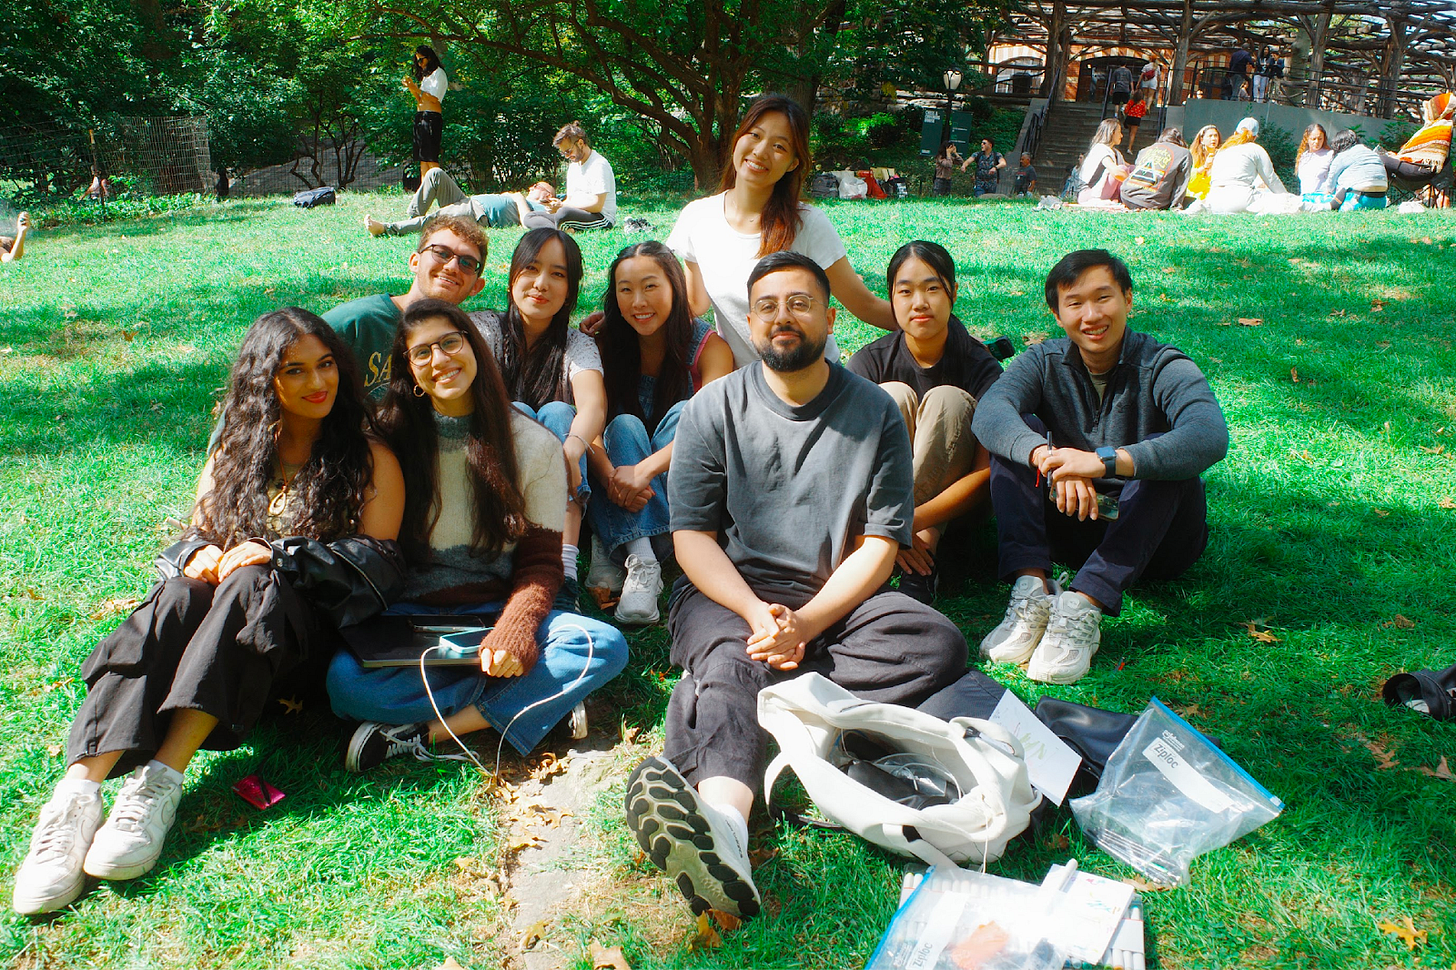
(936, 372)
(655, 356)
(237, 616)
(551, 370)
(488, 210)
(13, 247)
(790, 492)
(1097, 443)
(486, 499)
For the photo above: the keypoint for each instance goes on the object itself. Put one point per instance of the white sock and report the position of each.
(642, 549)
(81, 786)
(736, 821)
(167, 770)
(568, 559)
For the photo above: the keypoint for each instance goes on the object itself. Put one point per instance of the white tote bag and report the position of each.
(807, 715)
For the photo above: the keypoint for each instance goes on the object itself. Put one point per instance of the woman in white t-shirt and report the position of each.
(428, 86)
(552, 371)
(721, 238)
(1312, 165)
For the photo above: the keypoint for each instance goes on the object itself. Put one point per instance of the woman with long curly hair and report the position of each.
(252, 594)
(486, 489)
(1312, 165)
(655, 356)
(758, 211)
(1203, 146)
(552, 371)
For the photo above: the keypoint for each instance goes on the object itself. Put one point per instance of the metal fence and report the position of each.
(151, 156)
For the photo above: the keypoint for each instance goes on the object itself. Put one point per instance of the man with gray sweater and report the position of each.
(1097, 443)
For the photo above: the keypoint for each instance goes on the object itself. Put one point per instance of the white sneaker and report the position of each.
(130, 842)
(603, 575)
(1072, 635)
(51, 875)
(690, 840)
(1025, 621)
(638, 605)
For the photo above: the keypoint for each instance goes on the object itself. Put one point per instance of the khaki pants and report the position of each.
(941, 444)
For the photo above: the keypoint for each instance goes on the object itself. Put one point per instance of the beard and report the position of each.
(801, 355)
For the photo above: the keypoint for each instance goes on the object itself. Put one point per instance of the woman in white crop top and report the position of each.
(428, 85)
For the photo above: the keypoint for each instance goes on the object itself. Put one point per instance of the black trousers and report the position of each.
(890, 649)
(429, 128)
(567, 217)
(1161, 529)
(219, 649)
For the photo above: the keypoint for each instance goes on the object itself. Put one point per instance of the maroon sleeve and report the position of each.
(536, 577)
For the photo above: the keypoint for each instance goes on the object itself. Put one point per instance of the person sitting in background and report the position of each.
(1103, 165)
(484, 499)
(1203, 147)
(591, 187)
(1242, 177)
(1025, 177)
(1160, 174)
(936, 372)
(13, 247)
(655, 356)
(1312, 165)
(1425, 152)
(491, 210)
(1120, 428)
(989, 163)
(1357, 175)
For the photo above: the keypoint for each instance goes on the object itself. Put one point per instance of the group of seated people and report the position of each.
(1220, 175)
(404, 455)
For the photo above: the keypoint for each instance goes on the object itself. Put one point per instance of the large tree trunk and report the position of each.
(1392, 62)
(1317, 58)
(1180, 54)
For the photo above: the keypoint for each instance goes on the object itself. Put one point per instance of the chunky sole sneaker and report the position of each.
(604, 578)
(130, 843)
(1019, 632)
(1072, 636)
(690, 841)
(51, 877)
(638, 605)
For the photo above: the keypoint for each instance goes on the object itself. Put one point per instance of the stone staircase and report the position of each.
(1068, 132)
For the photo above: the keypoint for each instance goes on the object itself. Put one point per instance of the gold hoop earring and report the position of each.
(419, 391)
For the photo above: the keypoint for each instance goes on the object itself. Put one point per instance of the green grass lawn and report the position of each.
(1334, 527)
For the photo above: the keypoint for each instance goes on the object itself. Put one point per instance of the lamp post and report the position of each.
(952, 79)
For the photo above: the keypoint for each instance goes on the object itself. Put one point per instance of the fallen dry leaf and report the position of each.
(705, 937)
(1384, 760)
(1407, 934)
(449, 964)
(1257, 632)
(728, 921)
(113, 605)
(1058, 843)
(548, 766)
(1170, 269)
(291, 705)
(757, 857)
(527, 840)
(630, 732)
(1251, 321)
(1400, 622)
(608, 958)
(534, 934)
(1447, 503)
(1441, 771)
(1143, 886)
(1294, 374)
(1035, 337)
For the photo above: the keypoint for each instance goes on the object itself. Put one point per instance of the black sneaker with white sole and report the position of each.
(373, 744)
(689, 840)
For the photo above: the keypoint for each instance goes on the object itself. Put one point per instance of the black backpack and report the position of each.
(824, 186)
(309, 198)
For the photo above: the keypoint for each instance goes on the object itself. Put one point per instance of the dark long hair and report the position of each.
(957, 338)
(537, 376)
(432, 63)
(407, 422)
(329, 490)
(780, 220)
(621, 346)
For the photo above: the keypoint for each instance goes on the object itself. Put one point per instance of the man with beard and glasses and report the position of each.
(791, 494)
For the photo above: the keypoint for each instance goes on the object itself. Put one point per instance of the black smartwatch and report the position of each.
(1109, 461)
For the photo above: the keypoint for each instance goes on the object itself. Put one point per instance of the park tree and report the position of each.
(682, 65)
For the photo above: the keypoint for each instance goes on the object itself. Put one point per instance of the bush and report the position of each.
(1282, 147)
(1397, 133)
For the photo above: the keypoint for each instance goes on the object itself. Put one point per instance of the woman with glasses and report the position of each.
(482, 535)
(552, 371)
(428, 85)
(756, 212)
(295, 508)
(656, 356)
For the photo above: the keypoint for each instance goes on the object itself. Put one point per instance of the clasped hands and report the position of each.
(1071, 472)
(780, 636)
(629, 489)
(211, 565)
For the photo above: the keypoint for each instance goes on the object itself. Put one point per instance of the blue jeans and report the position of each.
(557, 417)
(628, 443)
(570, 646)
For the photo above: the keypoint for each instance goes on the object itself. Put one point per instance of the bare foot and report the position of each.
(375, 227)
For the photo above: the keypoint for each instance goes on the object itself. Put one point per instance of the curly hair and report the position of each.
(329, 490)
(407, 422)
(621, 347)
(780, 219)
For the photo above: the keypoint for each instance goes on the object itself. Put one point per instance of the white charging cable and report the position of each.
(590, 652)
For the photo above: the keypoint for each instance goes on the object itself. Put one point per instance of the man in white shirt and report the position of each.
(591, 187)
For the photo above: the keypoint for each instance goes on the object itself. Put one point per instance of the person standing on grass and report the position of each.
(791, 494)
(757, 212)
(552, 371)
(936, 372)
(482, 536)
(1160, 174)
(292, 532)
(13, 247)
(989, 163)
(591, 187)
(655, 357)
(946, 161)
(490, 210)
(428, 85)
(1025, 177)
(1097, 444)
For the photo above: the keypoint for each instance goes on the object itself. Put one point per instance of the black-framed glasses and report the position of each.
(798, 305)
(452, 343)
(443, 255)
